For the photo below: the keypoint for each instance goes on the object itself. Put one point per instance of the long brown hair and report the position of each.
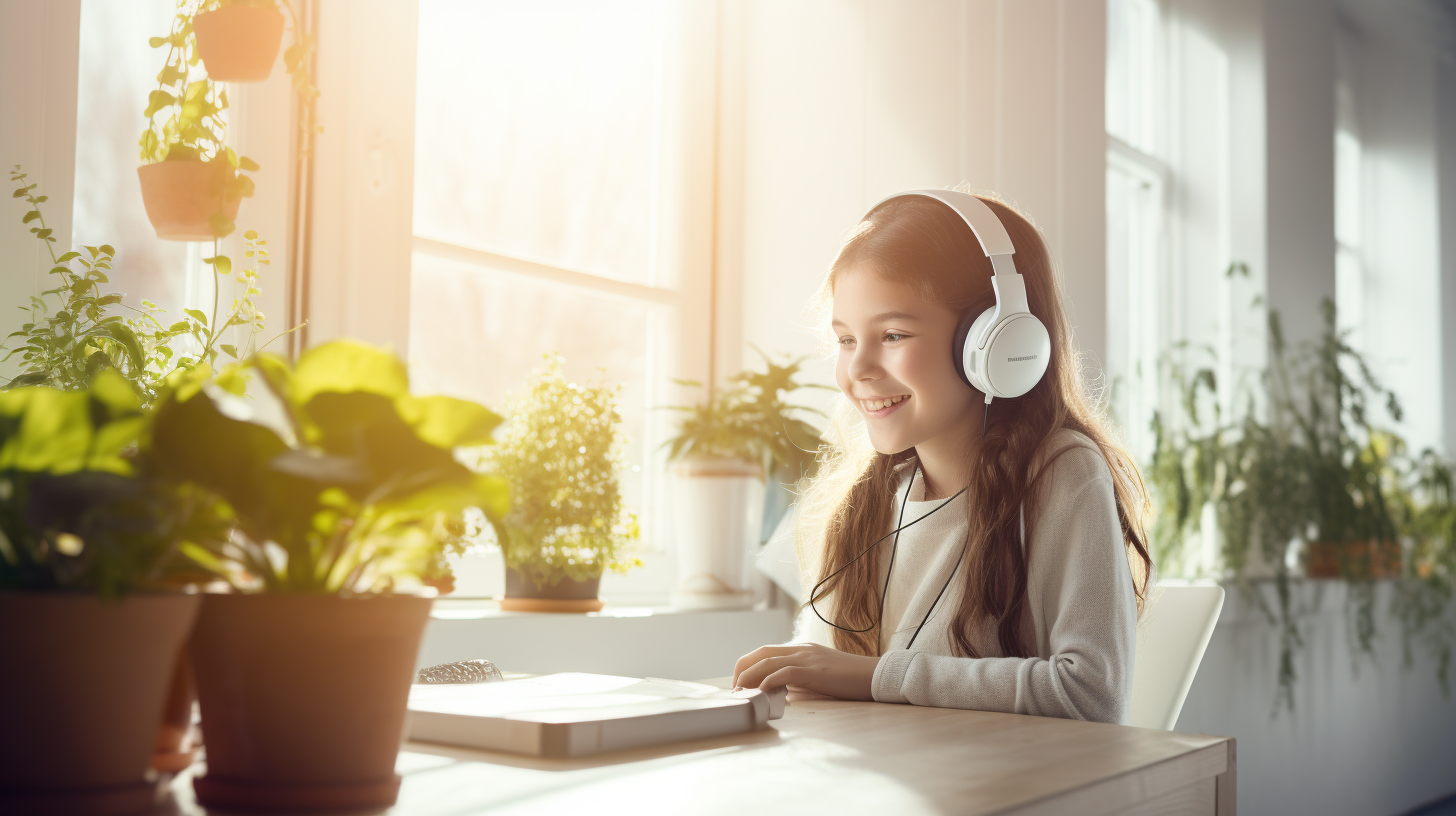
(847, 506)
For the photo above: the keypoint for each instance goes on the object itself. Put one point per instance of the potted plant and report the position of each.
(1313, 469)
(560, 455)
(337, 480)
(192, 182)
(89, 330)
(724, 449)
(93, 632)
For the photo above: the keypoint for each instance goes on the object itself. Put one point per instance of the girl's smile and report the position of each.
(882, 407)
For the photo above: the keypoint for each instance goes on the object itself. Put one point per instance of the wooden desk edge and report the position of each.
(1208, 775)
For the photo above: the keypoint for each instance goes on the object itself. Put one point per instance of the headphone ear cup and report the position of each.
(971, 360)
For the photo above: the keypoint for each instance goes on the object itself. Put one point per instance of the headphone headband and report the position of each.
(984, 224)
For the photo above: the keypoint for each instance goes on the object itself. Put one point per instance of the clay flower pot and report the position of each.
(566, 595)
(1364, 559)
(83, 687)
(718, 519)
(303, 698)
(239, 43)
(182, 196)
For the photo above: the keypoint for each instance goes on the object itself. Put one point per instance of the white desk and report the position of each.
(832, 756)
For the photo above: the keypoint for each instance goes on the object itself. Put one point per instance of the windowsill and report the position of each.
(457, 608)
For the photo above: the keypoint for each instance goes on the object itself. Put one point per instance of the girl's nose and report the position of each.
(864, 364)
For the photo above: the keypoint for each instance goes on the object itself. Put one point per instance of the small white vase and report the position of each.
(717, 519)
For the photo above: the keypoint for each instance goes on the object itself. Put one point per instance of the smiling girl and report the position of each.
(965, 552)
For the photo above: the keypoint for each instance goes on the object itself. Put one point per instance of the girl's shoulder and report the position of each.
(1069, 459)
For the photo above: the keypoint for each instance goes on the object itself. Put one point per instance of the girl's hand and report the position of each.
(818, 668)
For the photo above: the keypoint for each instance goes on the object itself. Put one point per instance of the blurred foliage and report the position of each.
(1308, 464)
(337, 479)
(751, 421)
(85, 334)
(78, 512)
(560, 453)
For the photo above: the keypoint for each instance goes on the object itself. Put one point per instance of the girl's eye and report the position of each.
(895, 336)
(845, 341)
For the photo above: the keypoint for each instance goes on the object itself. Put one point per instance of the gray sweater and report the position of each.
(1080, 613)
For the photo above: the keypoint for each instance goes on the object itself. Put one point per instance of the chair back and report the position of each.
(1175, 628)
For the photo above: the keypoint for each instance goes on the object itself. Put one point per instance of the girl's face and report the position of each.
(895, 363)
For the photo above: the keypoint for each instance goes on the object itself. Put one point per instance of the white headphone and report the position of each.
(1004, 352)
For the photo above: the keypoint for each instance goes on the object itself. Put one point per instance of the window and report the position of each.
(550, 184)
(1137, 180)
(1349, 265)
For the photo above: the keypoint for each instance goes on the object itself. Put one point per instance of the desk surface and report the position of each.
(833, 756)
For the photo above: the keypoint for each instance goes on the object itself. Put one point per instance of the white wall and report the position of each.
(846, 101)
(1365, 738)
(39, 50)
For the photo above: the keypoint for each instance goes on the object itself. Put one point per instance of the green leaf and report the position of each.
(347, 366)
(251, 235)
(20, 193)
(30, 216)
(107, 300)
(157, 42)
(43, 233)
(156, 101)
(222, 226)
(196, 314)
(223, 264)
(108, 250)
(128, 340)
(447, 422)
(69, 256)
(230, 350)
(248, 165)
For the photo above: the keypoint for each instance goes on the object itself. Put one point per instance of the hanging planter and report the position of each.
(239, 43)
(190, 200)
(86, 680)
(303, 698)
(717, 519)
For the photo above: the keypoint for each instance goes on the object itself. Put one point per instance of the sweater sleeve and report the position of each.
(1082, 601)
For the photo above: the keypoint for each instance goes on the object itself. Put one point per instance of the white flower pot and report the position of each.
(717, 518)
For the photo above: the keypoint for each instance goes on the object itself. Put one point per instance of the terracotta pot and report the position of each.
(239, 43)
(303, 698)
(182, 196)
(83, 687)
(566, 595)
(1362, 559)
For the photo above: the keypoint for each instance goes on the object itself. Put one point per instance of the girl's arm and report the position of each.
(1081, 597)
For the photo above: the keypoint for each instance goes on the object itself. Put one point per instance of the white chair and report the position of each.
(1172, 635)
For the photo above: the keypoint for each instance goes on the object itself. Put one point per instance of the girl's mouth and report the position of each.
(878, 408)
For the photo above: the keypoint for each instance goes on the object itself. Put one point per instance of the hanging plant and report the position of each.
(192, 182)
(238, 41)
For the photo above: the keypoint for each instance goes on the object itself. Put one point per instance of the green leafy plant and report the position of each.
(337, 479)
(750, 420)
(92, 329)
(560, 454)
(77, 511)
(1314, 468)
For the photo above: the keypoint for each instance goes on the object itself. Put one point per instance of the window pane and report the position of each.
(1133, 319)
(478, 333)
(117, 69)
(538, 130)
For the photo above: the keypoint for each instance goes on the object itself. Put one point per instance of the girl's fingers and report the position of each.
(783, 677)
(752, 676)
(758, 655)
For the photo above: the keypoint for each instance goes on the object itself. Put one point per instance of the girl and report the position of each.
(1020, 564)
